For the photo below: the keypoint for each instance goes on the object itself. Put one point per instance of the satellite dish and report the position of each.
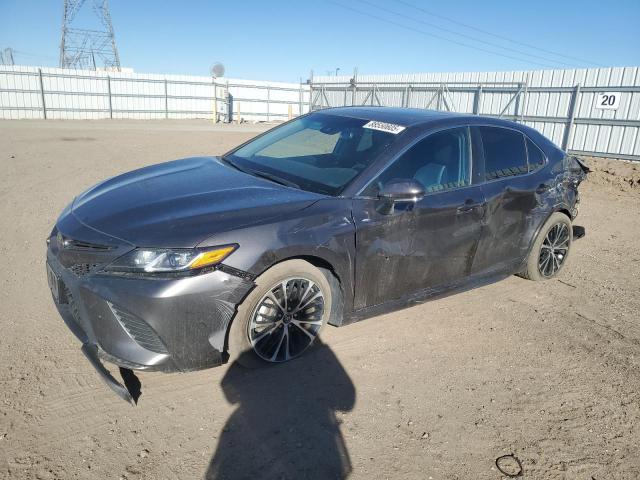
(217, 70)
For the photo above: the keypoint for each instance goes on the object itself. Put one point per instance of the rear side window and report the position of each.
(536, 157)
(504, 152)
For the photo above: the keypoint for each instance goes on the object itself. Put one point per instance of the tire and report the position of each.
(538, 267)
(265, 306)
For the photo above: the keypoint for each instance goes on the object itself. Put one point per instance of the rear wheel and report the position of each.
(280, 319)
(551, 248)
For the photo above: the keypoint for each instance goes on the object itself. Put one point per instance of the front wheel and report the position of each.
(551, 248)
(280, 319)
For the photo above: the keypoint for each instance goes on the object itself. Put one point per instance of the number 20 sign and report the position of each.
(608, 101)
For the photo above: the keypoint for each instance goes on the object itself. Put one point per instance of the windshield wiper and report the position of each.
(274, 178)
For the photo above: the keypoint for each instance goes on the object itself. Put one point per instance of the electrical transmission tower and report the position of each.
(83, 48)
(6, 57)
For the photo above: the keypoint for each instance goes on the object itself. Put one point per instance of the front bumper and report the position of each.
(91, 352)
(166, 324)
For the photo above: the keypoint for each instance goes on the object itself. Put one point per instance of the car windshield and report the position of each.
(320, 152)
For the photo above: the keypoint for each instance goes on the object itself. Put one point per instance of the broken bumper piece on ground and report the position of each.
(129, 392)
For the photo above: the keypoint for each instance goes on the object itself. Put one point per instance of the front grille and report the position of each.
(138, 329)
(82, 269)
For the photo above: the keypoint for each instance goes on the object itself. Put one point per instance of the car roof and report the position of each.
(411, 117)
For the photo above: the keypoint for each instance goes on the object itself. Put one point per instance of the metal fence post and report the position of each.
(166, 100)
(477, 101)
(517, 106)
(311, 91)
(109, 94)
(215, 101)
(354, 87)
(572, 116)
(300, 100)
(229, 102)
(44, 107)
(268, 102)
(524, 99)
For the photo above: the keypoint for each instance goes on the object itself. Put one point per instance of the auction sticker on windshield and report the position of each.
(384, 127)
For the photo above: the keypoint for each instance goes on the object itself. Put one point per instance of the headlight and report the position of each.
(166, 260)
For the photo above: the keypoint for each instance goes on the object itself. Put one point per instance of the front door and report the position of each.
(427, 244)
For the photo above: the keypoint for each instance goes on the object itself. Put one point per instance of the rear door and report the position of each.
(424, 244)
(510, 189)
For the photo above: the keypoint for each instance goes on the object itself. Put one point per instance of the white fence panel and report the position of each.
(80, 94)
(562, 104)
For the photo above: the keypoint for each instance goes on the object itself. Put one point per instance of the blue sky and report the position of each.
(283, 40)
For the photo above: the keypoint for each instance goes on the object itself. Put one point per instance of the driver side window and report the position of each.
(440, 162)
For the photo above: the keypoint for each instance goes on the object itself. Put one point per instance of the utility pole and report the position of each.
(83, 48)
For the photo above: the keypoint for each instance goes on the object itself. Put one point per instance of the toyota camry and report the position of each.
(330, 218)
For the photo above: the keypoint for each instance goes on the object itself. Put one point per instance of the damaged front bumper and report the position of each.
(125, 392)
(578, 232)
(142, 323)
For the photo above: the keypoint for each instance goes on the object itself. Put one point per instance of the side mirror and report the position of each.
(402, 190)
(399, 190)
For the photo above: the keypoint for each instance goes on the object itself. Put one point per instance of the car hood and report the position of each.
(181, 203)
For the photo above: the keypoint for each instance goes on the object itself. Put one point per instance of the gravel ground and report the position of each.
(546, 371)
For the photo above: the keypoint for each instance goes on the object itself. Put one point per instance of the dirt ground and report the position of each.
(547, 371)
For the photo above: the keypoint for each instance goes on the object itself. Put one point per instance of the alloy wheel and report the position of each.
(554, 250)
(286, 320)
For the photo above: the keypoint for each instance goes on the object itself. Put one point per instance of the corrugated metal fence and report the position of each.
(32, 92)
(586, 111)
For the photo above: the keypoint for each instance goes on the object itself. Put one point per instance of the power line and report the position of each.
(470, 37)
(429, 34)
(496, 35)
(34, 55)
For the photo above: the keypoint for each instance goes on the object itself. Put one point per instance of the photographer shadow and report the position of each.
(285, 424)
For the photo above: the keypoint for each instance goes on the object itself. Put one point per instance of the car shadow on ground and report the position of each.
(286, 424)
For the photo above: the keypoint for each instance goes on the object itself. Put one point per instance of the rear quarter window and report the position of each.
(505, 154)
(535, 155)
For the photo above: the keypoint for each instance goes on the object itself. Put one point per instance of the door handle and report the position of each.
(469, 206)
(542, 188)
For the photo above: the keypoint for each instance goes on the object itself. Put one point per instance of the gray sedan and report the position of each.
(333, 217)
